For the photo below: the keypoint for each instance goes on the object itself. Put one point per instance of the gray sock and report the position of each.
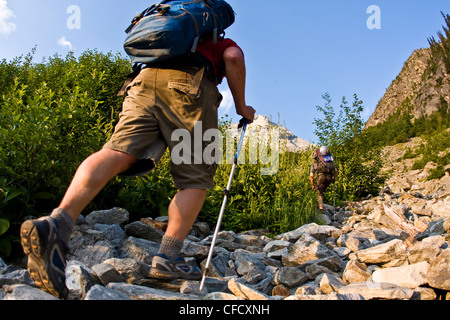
(171, 247)
(65, 224)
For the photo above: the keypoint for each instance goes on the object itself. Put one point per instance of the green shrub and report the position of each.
(356, 156)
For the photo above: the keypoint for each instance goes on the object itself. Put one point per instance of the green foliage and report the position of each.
(53, 114)
(278, 203)
(358, 162)
(430, 152)
(8, 196)
(433, 130)
(440, 49)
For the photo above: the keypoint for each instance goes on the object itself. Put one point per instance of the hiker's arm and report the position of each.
(236, 73)
(311, 178)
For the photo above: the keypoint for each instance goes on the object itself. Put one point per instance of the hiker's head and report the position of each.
(324, 150)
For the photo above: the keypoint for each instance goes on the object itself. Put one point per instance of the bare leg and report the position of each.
(183, 211)
(320, 200)
(92, 176)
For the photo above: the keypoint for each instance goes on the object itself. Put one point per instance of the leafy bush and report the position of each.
(52, 115)
(358, 161)
(8, 197)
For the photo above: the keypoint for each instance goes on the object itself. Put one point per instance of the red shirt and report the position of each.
(214, 53)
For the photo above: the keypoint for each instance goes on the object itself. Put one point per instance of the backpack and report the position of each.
(325, 164)
(173, 28)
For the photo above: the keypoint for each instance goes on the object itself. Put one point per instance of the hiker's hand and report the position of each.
(248, 113)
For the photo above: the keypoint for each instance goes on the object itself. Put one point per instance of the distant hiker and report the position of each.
(323, 165)
(170, 95)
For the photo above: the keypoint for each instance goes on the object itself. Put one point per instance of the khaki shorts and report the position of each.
(323, 182)
(158, 102)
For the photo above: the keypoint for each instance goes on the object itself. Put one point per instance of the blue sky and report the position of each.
(296, 50)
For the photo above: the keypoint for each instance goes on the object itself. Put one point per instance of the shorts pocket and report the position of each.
(189, 86)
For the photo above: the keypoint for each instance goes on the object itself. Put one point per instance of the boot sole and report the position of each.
(38, 263)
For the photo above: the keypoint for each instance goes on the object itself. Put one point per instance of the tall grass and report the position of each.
(278, 202)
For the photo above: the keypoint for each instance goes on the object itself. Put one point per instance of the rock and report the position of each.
(330, 283)
(309, 288)
(409, 276)
(324, 297)
(249, 265)
(90, 246)
(12, 275)
(98, 292)
(439, 271)
(376, 290)
(422, 293)
(245, 291)
(290, 277)
(276, 245)
(192, 249)
(312, 229)
(315, 270)
(25, 292)
(130, 269)
(425, 250)
(280, 290)
(222, 296)
(394, 250)
(114, 233)
(136, 292)
(144, 231)
(139, 249)
(117, 216)
(306, 248)
(355, 272)
(79, 279)
(191, 287)
(107, 273)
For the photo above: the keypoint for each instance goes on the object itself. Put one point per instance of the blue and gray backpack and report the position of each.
(173, 28)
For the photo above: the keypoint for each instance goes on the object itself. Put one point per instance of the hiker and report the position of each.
(173, 94)
(325, 171)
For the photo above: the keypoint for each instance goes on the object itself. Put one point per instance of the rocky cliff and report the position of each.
(288, 140)
(419, 89)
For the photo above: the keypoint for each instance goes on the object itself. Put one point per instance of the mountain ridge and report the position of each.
(288, 140)
(420, 89)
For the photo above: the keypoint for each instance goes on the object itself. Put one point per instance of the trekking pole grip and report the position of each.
(243, 123)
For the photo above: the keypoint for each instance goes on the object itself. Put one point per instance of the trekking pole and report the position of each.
(334, 200)
(243, 123)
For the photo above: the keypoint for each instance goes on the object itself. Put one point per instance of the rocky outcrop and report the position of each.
(263, 126)
(418, 90)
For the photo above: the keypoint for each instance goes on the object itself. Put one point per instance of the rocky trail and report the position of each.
(392, 246)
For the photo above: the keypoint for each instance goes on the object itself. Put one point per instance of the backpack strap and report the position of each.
(197, 31)
(161, 7)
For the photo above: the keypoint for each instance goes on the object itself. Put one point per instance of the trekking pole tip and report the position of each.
(202, 289)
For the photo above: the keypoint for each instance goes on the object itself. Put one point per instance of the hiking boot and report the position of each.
(46, 255)
(165, 269)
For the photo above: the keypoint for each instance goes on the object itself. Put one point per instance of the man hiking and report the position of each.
(173, 94)
(324, 169)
